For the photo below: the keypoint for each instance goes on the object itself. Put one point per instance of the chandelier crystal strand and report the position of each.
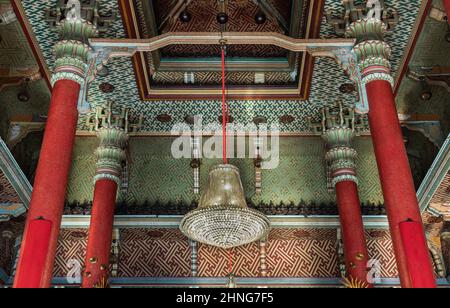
(223, 218)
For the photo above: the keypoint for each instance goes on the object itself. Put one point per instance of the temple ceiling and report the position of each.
(246, 64)
(425, 90)
(120, 84)
(17, 61)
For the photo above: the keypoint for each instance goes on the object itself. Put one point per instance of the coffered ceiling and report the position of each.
(131, 83)
(251, 68)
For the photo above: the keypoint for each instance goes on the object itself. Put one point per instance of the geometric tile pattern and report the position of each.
(156, 176)
(204, 17)
(327, 77)
(71, 246)
(150, 252)
(15, 49)
(302, 253)
(8, 196)
(214, 262)
(397, 39)
(380, 248)
(154, 253)
(442, 195)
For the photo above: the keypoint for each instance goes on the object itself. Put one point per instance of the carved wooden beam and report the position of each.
(317, 47)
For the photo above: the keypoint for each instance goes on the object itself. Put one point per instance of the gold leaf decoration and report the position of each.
(103, 283)
(354, 283)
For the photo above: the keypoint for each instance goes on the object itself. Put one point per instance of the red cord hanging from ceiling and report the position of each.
(224, 138)
(224, 110)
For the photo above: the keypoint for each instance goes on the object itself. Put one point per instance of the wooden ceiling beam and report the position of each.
(316, 47)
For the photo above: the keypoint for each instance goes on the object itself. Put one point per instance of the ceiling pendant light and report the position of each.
(260, 17)
(222, 16)
(223, 218)
(185, 16)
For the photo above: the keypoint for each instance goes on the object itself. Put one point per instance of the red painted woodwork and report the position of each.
(421, 277)
(47, 201)
(355, 248)
(395, 175)
(100, 233)
(38, 239)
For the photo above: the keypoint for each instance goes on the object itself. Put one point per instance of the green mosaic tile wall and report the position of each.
(156, 176)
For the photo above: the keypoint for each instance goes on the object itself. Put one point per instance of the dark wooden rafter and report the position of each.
(304, 61)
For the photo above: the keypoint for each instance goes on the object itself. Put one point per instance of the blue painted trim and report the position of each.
(219, 281)
(435, 175)
(5, 209)
(173, 221)
(218, 60)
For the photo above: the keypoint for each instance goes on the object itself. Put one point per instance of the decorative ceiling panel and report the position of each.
(431, 53)
(326, 79)
(241, 19)
(142, 20)
(16, 57)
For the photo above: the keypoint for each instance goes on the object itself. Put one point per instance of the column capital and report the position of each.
(76, 24)
(112, 131)
(340, 155)
(371, 51)
(338, 132)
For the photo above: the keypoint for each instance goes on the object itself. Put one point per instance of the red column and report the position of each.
(355, 249)
(47, 201)
(100, 233)
(397, 183)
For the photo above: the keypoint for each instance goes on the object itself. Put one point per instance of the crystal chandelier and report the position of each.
(222, 218)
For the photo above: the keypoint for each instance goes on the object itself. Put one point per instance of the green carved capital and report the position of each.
(366, 30)
(77, 30)
(372, 52)
(110, 153)
(340, 156)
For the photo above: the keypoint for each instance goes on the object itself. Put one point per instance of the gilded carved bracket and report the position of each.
(19, 130)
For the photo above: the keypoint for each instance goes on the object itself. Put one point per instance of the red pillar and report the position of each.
(355, 249)
(100, 233)
(47, 201)
(397, 184)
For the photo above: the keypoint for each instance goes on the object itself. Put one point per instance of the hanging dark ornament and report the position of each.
(426, 95)
(24, 94)
(185, 16)
(222, 18)
(260, 18)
